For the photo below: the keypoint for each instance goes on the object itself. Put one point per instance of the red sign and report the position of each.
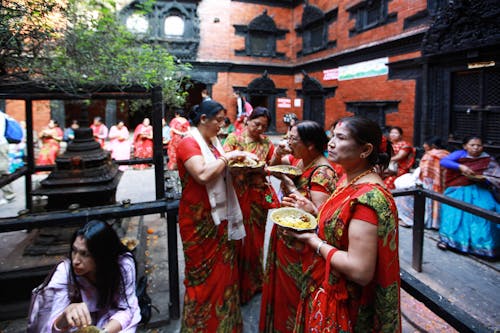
(285, 103)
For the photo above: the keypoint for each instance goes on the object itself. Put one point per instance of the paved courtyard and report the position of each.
(139, 186)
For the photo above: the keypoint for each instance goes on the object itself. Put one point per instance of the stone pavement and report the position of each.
(466, 281)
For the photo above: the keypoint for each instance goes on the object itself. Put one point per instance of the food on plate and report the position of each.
(246, 163)
(293, 218)
(130, 243)
(288, 170)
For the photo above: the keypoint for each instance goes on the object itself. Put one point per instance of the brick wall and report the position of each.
(219, 42)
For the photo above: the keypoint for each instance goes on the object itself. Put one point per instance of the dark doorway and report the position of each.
(259, 100)
(314, 109)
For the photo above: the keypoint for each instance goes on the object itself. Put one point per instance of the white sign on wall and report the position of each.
(369, 68)
(285, 103)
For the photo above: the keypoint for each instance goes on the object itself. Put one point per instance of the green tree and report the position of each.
(82, 47)
(24, 27)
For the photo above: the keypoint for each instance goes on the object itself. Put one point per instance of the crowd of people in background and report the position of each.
(346, 174)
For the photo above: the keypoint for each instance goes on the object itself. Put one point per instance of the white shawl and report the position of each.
(221, 194)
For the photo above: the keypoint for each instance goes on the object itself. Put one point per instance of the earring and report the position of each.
(362, 156)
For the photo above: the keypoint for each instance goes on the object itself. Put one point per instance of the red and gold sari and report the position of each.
(143, 144)
(50, 146)
(179, 127)
(211, 301)
(375, 307)
(256, 196)
(286, 257)
(404, 165)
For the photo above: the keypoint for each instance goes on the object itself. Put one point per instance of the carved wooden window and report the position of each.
(314, 30)
(173, 24)
(434, 6)
(261, 44)
(370, 14)
(476, 105)
(260, 37)
(374, 110)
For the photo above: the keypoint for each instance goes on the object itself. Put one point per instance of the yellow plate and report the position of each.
(294, 218)
(288, 170)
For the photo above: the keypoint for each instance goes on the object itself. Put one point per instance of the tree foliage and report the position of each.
(81, 46)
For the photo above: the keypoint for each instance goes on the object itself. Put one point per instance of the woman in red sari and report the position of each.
(358, 232)
(283, 278)
(404, 156)
(211, 226)
(179, 128)
(256, 196)
(50, 137)
(143, 142)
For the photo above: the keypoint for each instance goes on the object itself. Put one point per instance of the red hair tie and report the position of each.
(383, 145)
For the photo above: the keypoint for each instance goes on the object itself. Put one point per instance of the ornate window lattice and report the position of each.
(314, 30)
(260, 37)
(374, 110)
(476, 105)
(370, 14)
(173, 24)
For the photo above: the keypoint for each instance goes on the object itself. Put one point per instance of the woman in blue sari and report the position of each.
(469, 179)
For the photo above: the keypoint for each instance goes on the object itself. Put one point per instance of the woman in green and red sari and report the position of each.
(283, 278)
(358, 231)
(211, 226)
(256, 196)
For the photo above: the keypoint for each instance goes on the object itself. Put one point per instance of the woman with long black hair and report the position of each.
(96, 286)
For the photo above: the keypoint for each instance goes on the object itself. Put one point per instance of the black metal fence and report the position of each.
(456, 317)
(453, 315)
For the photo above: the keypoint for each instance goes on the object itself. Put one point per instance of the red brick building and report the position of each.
(430, 67)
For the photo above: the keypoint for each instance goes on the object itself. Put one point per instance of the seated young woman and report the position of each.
(95, 286)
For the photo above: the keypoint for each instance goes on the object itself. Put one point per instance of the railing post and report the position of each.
(418, 228)
(30, 158)
(173, 266)
(157, 116)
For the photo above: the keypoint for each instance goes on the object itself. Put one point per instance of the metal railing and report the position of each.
(440, 305)
(82, 215)
(452, 314)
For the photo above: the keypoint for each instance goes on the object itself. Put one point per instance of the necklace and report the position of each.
(353, 181)
(312, 162)
(326, 208)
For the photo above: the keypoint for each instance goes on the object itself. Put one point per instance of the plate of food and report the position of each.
(294, 218)
(246, 164)
(287, 170)
(130, 243)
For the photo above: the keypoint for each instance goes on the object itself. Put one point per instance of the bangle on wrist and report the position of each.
(57, 329)
(293, 191)
(320, 244)
(224, 159)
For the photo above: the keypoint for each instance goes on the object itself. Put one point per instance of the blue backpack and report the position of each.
(13, 131)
